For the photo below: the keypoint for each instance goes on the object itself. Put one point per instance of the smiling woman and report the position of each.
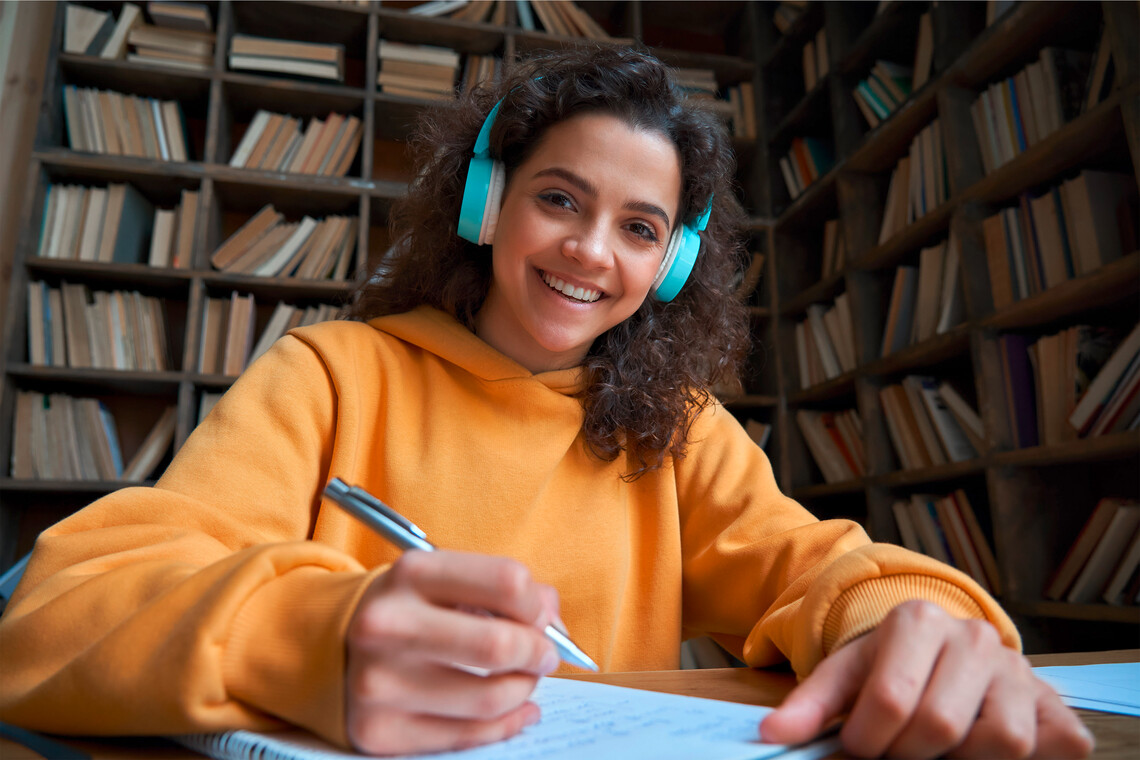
(607, 122)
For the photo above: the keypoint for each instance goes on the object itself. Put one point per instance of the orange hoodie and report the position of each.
(220, 597)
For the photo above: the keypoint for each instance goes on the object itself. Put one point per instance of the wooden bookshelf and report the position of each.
(1031, 501)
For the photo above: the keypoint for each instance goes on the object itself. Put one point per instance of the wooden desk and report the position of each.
(1117, 736)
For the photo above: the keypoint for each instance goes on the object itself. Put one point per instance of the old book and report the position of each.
(245, 236)
(1106, 554)
(153, 447)
(91, 233)
(297, 66)
(1098, 202)
(175, 135)
(276, 326)
(116, 45)
(250, 138)
(912, 386)
(249, 45)
(1079, 552)
(931, 269)
(978, 539)
(1094, 398)
(958, 537)
(199, 45)
(324, 141)
(212, 341)
(162, 239)
(239, 333)
(86, 30)
(907, 531)
(273, 265)
(184, 236)
(953, 439)
(1123, 572)
(925, 515)
(176, 15)
(900, 313)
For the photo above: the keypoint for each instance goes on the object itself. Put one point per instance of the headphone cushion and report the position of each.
(494, 203)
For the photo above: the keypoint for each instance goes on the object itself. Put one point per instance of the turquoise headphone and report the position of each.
(483, 197)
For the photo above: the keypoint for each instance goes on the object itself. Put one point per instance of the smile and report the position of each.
(568, 290)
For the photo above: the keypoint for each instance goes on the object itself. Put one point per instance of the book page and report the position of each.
(580, 719)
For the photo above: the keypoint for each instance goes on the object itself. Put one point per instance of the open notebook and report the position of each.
(580, 719)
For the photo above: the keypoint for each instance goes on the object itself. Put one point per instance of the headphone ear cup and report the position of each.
(494, 203)
(473, 207)
(677, 264)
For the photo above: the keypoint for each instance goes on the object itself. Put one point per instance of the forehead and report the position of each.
(613, 151)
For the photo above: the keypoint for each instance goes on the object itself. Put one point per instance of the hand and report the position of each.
(411, 645)
(925, 684)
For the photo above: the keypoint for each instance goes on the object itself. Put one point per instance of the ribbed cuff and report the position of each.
(863, 606)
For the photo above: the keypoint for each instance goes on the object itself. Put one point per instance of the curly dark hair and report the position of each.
(646, 377)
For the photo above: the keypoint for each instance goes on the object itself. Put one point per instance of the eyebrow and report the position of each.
(591, 189)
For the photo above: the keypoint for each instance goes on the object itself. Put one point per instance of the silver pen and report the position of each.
(405, 534)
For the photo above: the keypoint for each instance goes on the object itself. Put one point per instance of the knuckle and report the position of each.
(410, 567)
(497, 647)
(369, 684)
(941, 727)
(512, 579)
(981, 634)
(493, 701)
(1014, 742)
(477, 733)
(892, 700)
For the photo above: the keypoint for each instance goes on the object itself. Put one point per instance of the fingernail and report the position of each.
(549, 663)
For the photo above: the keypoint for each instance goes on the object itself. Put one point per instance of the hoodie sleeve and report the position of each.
(198, 604)
(771, 582)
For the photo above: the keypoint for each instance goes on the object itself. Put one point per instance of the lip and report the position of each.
(541, 273)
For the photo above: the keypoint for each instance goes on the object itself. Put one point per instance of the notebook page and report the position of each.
(580, 719)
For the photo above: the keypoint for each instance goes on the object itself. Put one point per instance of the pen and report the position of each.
(403, 533)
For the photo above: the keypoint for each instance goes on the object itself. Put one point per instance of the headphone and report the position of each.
(483, 198)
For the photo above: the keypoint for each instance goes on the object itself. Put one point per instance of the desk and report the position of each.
(1117, 736)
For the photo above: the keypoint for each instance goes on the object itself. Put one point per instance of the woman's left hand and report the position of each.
(925, 684)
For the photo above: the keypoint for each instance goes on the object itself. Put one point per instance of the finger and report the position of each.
(447, 692)
(910, 640)
(421, 631)
(1060, 731)
(1007, 723)
(497, 584)
(393, 732)
(971, 661)
(821, 697)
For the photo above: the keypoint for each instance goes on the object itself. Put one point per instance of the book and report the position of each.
(153, 447)
(1093, 400)
(907, 531)
(179, 15)
(900, 313)
(1080, 550)
(1020, 389)
(1105, 555)
(955, 443)
(1123, 572)
(978, 539)
(116, 45)
(86, 30)
(245, 236)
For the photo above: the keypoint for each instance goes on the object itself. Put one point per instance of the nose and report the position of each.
(590, 246)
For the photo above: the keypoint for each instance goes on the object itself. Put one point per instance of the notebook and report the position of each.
(580, 719)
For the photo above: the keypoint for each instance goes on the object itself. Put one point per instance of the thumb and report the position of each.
(822, 697)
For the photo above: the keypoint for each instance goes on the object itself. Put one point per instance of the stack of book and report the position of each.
(277, 142)
(1069, 230)
(310, 249)
(1017, 112)
(229, 324)
(1103, 564)
(417, 71)
(946, 528)
(107, 224)
(471, 11)
(57, 436)
(561, 17)
(815, 59)
(480, 70)
(834, 249)
(71, 326)
(926, 300)
(60, 437)
(281, 56)
(742, 99)
(101, 121)
(883, 90)
(929, 423)
(825, 342)
(1081, 382)
(835, 440)
(919, 183)
(809, 159)
(786, 14)
(182, 35)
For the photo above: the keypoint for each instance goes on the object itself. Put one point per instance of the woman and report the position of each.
(535, 396)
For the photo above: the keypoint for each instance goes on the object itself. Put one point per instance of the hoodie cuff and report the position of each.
(285, 652)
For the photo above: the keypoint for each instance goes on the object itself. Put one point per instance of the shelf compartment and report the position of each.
(952, 471)
(1099, 613)
(1099, 449)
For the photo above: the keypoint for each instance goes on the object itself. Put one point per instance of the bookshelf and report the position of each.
(1031, 501)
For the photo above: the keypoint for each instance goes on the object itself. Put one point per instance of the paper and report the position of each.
(1113, 688)
(582, 719)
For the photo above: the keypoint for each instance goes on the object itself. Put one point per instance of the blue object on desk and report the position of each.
(403, 533)
(1104, 687)
(41, 744)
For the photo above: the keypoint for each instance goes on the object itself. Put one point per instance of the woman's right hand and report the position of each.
(412, 640)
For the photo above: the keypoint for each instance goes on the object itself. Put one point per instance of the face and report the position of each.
(582, 231)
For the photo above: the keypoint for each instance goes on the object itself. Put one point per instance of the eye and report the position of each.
(644, 231)
(558, 199)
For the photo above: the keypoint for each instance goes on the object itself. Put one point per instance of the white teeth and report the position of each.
(566, 289)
